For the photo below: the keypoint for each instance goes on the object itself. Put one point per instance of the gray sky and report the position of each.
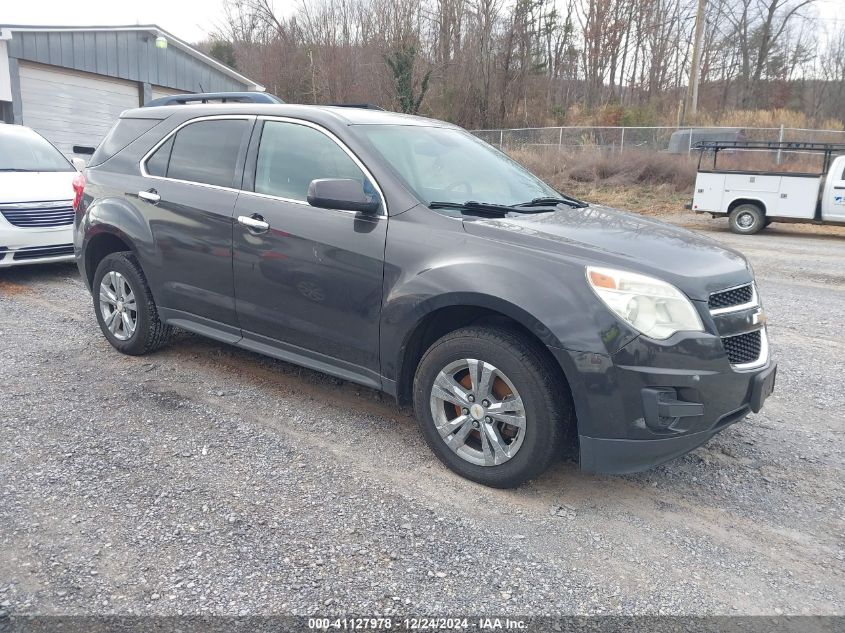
(192, 20)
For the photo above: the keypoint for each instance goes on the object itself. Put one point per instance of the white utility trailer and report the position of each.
(754, 199)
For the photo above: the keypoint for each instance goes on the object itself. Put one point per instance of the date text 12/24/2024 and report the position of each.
(416, 624)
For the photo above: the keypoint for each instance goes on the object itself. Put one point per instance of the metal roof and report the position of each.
(148, 28)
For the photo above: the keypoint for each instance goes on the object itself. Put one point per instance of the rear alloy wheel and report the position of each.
(117, 306)
(491, 405)
(124, 306)
(747, 219)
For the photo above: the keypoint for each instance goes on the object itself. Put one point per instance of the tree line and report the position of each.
(494, 63)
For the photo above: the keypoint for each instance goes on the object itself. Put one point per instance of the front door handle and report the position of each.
(254, 222)
(150, 196)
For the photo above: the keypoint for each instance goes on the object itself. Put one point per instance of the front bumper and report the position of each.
(652, 401)
(20, 246)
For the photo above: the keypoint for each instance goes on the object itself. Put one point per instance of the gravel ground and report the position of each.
(209, 480)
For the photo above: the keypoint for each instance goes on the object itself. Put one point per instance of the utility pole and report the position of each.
(313, 78)
(695, 70)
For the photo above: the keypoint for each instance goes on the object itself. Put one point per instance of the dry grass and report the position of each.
(617, 115)
(654, 200)
(766, 118)
(603, 169)
(650, 183)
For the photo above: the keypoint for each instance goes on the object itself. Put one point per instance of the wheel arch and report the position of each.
(737, 202)
(100, 244)
(112, 225)
(448, 313)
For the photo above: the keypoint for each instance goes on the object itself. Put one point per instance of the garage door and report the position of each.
(161, 91)
(72, 108)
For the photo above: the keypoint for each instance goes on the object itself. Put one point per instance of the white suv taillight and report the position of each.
(78, 188)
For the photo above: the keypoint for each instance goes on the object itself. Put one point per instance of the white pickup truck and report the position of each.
(754, 199)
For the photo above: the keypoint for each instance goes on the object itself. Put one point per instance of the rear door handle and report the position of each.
(149, 196)
(254, 222)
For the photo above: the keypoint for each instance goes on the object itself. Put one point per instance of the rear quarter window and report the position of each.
(120, 135)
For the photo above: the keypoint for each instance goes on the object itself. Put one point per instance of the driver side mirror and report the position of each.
(342, 193)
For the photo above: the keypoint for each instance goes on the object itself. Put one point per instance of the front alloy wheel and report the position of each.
(478, 412)
(492, 404)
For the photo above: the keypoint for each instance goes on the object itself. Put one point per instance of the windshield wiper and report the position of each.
(479, 207)
(14, 169)
(550, 201)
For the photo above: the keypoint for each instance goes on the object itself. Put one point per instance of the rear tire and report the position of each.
(125, 308)
(514, 381)
(747, 219)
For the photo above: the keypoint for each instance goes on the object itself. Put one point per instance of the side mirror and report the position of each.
(342, 193)
(78, 163)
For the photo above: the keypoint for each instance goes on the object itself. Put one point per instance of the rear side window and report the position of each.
(120, 135)
(203, 152)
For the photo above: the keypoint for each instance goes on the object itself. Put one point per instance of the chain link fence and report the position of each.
(678, 140)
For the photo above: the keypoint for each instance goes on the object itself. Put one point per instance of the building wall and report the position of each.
(70, 85)
(5, 79)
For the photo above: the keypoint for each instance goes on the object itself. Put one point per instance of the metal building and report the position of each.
(71, 83)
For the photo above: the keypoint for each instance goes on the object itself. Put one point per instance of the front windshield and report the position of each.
(451, 165)
(24, 150)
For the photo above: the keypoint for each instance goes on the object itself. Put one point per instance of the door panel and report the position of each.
(194, 173)
(798, 197)
(314, 280)
(751, 182)
(192, 229)
(709, 189)
(833, 200)
(312, 283)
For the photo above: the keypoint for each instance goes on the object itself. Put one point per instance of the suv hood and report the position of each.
(36, 186)
(603, 236)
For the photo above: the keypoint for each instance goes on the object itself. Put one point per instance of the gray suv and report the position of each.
(406, 255)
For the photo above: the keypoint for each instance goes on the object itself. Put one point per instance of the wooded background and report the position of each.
(507, 63)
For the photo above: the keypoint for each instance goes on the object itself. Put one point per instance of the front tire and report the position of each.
(125, 308)
(491, 405)
(747, 219)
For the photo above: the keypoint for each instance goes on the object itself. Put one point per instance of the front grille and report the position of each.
(37, 252)
(729, 298)
(744, 348)
(38, 215)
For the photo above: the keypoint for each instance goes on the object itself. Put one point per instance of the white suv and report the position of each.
(36, 199)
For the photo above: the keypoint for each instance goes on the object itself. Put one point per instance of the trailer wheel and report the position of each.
(747, 219)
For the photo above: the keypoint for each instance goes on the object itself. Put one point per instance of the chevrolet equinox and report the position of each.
(406, 255)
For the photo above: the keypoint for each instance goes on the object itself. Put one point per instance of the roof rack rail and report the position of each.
(214, 97)
(363, 106)
(828, 150)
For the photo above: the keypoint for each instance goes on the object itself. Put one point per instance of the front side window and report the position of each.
(21, 149)
(290, 156)
(204, 152)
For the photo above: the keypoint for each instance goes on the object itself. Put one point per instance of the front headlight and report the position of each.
(652, 306)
